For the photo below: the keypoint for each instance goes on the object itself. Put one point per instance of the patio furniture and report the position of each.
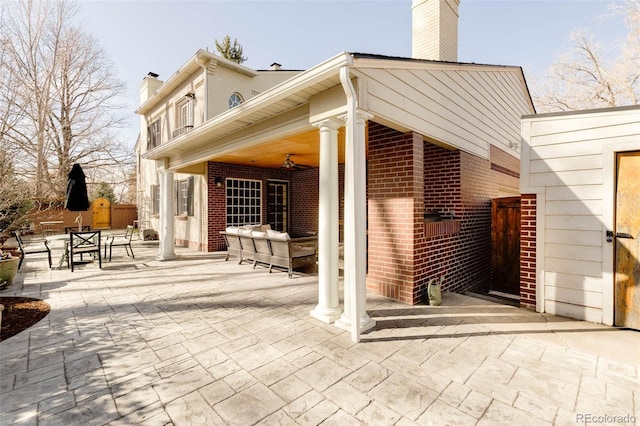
(292, 253)
(272, 248)
(119, 240)
(51, 227)
(234, 248)
(81, 243)
(262, 254)
(32, 246)
(73, 228)
(247, 246)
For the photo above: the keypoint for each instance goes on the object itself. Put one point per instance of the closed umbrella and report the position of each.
(77, 199)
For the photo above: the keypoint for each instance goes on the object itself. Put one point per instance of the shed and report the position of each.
(580, 186)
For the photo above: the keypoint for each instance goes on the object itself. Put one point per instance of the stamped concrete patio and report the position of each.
(199, 340)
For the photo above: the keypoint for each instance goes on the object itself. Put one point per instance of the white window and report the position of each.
(185, 113)
(244, 202)
(184, 197)
(235, 99)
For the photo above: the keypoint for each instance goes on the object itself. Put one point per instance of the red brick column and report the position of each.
(528, 251)
(396, 242)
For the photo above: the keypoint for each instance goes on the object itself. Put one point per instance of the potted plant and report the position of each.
(8, 268)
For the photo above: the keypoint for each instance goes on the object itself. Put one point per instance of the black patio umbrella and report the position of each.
(77, 199)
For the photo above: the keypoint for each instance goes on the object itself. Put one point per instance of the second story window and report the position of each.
(234, 100)
(184, 116)
(153, 134)
(185, 113)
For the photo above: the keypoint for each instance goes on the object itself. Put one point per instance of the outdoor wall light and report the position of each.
(190, 95)
(218, 181)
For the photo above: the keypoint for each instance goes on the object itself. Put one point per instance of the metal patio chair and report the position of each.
(32, 246)
(119, 240)
(81, 243)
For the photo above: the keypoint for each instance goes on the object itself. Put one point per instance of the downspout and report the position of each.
(205, 66)
(204, 219)
(350, 140)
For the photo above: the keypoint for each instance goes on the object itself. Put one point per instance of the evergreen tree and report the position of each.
(104, 190)
(232, 52)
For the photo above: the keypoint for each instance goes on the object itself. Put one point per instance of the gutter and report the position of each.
(179, 77)
(266, 99)
(350, 252)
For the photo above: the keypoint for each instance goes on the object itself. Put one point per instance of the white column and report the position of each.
(167, 238)
(355, 228)
(328, 307)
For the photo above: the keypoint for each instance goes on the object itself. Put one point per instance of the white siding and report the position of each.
(569, 161)
(469, 108)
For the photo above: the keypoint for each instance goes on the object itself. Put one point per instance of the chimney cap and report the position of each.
(275, 66)
(152, 74)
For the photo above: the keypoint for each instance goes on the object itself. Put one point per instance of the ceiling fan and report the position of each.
(288, 163)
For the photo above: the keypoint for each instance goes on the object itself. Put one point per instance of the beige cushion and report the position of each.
(244, 232)
(258, 234)
(280, 236)
(233, 230)
(265, 228)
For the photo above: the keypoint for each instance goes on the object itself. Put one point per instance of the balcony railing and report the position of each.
(181, 131)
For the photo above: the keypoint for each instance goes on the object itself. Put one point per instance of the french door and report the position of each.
(278, 205)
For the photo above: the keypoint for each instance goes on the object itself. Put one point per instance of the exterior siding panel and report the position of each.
(569, 161)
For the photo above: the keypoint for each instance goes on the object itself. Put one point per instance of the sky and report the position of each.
(160, 36)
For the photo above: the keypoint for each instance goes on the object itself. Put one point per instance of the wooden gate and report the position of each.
(505, 241)
(627, 283)
(101, 213)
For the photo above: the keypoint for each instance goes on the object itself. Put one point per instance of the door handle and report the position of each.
(624, 235)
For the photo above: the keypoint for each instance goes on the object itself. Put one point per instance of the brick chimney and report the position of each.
(434, 33)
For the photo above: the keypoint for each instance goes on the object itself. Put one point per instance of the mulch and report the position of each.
(21, 313)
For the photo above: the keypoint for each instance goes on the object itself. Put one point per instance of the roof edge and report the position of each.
(582, 112)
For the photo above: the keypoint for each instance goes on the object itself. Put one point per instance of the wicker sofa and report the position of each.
(270, 248)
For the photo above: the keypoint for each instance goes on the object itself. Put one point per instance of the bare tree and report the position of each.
(63, 97)
(587, 77)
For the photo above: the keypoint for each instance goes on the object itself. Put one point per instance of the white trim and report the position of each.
(609, 152)
(226, 199)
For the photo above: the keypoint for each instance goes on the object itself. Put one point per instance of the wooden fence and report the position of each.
(121, 215)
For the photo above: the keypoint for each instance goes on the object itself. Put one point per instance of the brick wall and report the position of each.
(396, 242)
(442, 189)
(479, 186)
(461, 183)
(408, 177)
(528, 251)
(303, 206)
(303, 189)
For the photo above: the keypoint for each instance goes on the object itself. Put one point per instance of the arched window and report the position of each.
(235, 99)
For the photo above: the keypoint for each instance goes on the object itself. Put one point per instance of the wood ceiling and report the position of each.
(303, 147)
